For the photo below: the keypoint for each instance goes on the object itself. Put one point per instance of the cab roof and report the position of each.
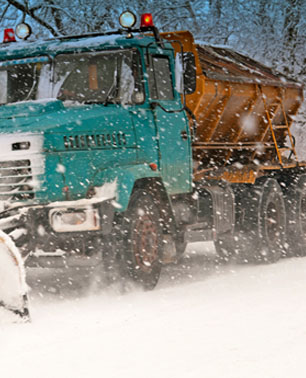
(85, 43)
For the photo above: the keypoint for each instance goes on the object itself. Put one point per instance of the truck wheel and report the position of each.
(273, 223)
(180, 244)
(225, 247)
(142, 240)
(265, 237)
(296, 217)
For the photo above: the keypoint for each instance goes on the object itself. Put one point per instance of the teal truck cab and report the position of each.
(94, 142)
(98, 151)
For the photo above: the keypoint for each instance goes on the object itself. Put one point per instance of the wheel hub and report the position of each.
(145, 245)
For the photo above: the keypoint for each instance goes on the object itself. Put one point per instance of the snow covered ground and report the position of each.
(202, 320)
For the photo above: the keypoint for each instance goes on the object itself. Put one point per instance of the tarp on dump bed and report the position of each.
(221, 63)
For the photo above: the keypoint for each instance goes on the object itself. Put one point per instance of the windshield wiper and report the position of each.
(33, 84)
(111, 89)
(98, 102)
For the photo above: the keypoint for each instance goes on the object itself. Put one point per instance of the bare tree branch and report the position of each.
(31, 13)
(4, 12)
(54, 8)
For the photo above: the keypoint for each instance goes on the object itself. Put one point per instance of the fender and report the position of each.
(125, 178)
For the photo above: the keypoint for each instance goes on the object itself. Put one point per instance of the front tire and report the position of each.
(142, 240)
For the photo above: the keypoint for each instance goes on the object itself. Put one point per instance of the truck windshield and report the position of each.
(100, 77)
(23, 80)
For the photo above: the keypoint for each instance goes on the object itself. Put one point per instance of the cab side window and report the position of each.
(160, 78)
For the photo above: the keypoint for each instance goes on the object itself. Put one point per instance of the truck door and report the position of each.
(97, 129)
(172, 126)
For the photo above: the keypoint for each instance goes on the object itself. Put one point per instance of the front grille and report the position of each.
(16, 180)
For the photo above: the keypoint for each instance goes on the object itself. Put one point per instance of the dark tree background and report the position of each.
(271, 31)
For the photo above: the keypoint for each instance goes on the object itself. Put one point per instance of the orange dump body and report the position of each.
(243, 112)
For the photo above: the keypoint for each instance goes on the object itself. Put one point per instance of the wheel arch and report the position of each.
(131, 178)
(155, 187)
(125, 178)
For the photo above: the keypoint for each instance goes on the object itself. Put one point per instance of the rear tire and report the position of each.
(296, 217)
(262, 237)
(272, 223)
(180, 244)
(225, 247)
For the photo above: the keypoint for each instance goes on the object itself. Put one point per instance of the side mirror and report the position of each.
(190, 78)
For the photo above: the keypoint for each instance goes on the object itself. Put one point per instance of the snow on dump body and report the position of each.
(222, 63)
(12, 274)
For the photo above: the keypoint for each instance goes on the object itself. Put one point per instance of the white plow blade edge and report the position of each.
(13, 288)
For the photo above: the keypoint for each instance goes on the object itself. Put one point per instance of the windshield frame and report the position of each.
(45, 60)
(93, 53)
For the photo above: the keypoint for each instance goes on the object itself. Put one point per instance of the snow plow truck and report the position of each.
(118, 149)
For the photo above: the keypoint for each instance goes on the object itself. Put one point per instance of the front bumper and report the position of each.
(71, 227)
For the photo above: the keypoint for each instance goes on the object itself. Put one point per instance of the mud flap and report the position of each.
(13, 287)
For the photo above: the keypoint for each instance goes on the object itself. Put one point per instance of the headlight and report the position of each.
(127, 19)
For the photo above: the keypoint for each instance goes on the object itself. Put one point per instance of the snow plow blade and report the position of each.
(13, 288)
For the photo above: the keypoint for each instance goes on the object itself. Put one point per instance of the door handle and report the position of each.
(184, 135)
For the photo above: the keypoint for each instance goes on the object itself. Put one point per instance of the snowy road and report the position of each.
(202, 320)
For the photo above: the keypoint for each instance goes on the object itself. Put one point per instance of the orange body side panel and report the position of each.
(243, 111)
